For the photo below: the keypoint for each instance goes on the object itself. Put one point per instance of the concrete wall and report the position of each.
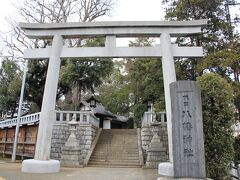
(147, 132)
(85, 134)
(106, 124)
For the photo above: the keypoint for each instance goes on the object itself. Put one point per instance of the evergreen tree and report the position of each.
(10, 86)
(217, 104)
(115, 92)
(215, 35)
(216, 31)
(85, 74)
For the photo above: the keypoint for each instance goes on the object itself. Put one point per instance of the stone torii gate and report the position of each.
(110, 30)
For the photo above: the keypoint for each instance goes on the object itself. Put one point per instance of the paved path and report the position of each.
(12, 171)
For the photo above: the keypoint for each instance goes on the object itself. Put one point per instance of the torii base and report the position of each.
(38, 166)
(165, 169)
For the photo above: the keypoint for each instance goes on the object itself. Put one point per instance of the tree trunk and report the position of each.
(76, 96)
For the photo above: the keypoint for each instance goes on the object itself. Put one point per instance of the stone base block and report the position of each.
(38, 166)
(165, 169)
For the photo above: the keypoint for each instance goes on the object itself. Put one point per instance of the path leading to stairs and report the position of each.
(12, 171)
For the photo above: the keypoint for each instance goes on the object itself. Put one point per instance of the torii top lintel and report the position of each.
(111, 30)
(115, 28)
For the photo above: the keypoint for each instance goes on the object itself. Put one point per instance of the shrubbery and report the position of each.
(218, 119)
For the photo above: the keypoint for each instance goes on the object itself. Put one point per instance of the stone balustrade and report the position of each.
(83, 117)
(151, 117)
(28, 119)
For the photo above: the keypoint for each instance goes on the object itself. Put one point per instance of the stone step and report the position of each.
(114, 166)
(109, 136)
(113, 144)
(104, 134)
(93, 158)
(117, 142)
(120, 130)
(116, 147)
(126, 155)
(107, 153)
(114, 163)
(129, 158)
(113, 159)
(115, 154)
(101, 164)
(118, 138)
(115, 151)
(122, 134)
(118, 133)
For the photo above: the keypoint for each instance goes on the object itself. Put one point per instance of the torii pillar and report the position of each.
(169, 76)
(42, 162)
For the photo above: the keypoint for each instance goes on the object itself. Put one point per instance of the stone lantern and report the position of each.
(71, 152)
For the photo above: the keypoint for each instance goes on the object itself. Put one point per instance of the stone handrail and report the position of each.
(86, 160)
(83, 117)
(151, 117)
(28, 119)
(140, 151)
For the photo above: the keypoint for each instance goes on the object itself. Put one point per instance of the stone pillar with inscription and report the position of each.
(187, 130)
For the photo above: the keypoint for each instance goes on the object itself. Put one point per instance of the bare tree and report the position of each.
(50, 11)
(53, 11)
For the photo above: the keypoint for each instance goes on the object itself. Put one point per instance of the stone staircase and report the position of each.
(116, 148)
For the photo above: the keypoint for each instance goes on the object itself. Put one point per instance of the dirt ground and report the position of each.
(12, 171)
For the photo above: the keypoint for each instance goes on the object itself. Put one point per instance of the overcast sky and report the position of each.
(124, 10)
(130, 10)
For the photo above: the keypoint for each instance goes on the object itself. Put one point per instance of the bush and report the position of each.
(218, 119)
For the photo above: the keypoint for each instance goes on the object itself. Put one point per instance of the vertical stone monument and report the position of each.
(187, 130)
